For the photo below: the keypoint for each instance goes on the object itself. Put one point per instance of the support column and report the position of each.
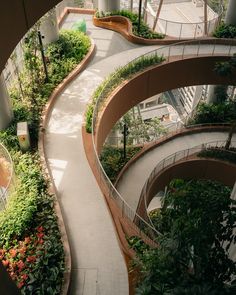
(197, 96)
(49, 28)
(216, 93)
(108, 5)
(230, 18)
(95, 4)
(6, 113)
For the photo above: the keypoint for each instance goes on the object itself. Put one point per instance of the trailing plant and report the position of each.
(116, 78)
(113, 161)
(144, 31)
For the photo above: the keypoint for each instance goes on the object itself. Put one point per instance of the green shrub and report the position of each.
(113, 161)
(65, 54)
(116, 78)
(30, 240)
(144, 32)
(215, 113)
(221, 154)
(225, 31)
(191, 257)
(71, 44)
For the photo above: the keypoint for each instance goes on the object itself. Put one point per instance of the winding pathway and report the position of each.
(98, 265)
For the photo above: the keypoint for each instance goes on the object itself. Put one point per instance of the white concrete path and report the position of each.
(98, 265)
(141, 169)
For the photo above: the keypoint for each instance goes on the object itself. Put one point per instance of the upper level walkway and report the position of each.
(143, 166)
(98, 265)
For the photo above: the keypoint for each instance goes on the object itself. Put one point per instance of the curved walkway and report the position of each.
(98, 266)
(141, 169)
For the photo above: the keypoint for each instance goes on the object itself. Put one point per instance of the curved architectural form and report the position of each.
(157, 80)
(186, 164)
(189, 60)
(22, 15)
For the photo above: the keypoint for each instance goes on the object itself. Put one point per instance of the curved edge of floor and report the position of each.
(44, 162)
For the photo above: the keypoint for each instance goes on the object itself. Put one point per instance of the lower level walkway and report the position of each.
(141, 169)
(98, 266)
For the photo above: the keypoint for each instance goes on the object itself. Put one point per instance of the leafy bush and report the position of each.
(144, 32)
(34, 258)
(66, 53)
(225, 31)
(113, 161)
(196, 219)
(221, 154)
(115, 79)
(215, 113)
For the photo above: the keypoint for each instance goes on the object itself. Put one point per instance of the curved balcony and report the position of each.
(186, 164)
(180, 58)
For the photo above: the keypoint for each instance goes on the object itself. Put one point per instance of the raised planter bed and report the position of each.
(123, 26)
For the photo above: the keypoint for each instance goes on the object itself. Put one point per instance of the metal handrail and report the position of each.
(113, 193)
(174, 158)
(169, 23)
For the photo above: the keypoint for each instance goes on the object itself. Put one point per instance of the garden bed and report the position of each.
(30, 240)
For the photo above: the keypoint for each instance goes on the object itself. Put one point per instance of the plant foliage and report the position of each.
(116, 78)
(221, 154)
(215, 113)
(192, 257)
(113, 161)
(225, 31)
(30, 242)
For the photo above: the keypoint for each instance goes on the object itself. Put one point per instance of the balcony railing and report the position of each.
(182, 50)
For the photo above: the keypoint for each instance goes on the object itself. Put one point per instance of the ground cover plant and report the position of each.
(144, 31)
(192, 254)
(30, 243)
(115, 79)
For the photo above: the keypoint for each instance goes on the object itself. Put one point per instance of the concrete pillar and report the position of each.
(108, 5)
(6, 113)
(230, 18)
(233, 193)
(49, 28)
(216, 93)
(197, 96)
(95, 4)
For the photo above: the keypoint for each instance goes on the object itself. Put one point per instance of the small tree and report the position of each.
(197, 219)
